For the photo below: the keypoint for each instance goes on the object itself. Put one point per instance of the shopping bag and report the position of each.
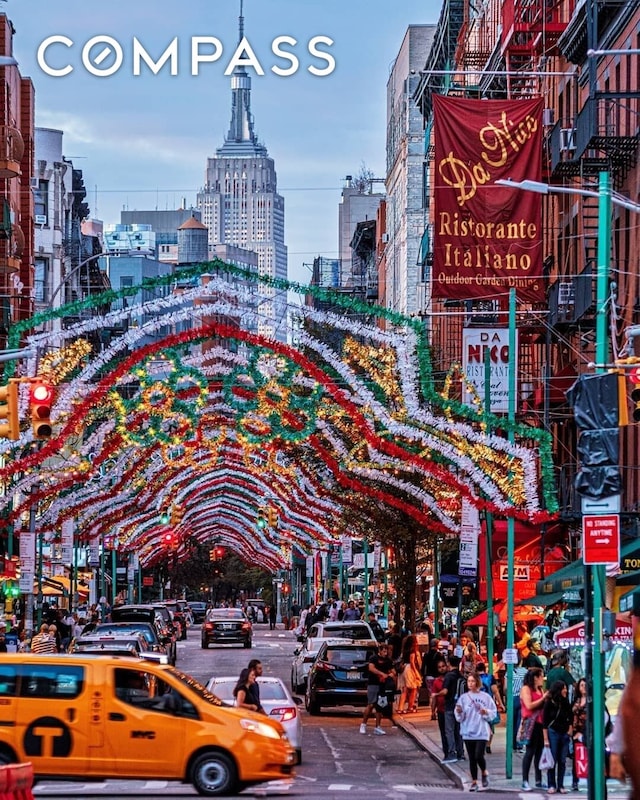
(525, 730)
(547, 761)
(581, 759)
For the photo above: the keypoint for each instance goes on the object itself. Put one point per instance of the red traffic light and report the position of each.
(40, 401)
(634, 375)
(168, 539)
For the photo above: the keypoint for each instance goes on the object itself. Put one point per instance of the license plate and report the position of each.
(353, 676)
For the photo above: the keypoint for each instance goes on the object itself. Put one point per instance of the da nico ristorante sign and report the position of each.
(487, 238)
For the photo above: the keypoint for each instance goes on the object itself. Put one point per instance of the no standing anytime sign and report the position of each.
(601, 538)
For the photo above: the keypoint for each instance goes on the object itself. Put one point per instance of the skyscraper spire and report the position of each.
(241, 139)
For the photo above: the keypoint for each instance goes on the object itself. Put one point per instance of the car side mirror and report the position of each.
(297, 700)
(297, 651)
(300, 638)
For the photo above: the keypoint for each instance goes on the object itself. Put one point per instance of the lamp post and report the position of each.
(594, 576)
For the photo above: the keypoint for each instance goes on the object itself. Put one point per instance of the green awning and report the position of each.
(563, 579)
(626, 600)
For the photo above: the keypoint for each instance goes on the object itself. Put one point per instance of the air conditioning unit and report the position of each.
(34, 183)
(384, 238)
(567, 139)
(547, 117)
(40, 219)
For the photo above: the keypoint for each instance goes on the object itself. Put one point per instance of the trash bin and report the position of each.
(11, 640)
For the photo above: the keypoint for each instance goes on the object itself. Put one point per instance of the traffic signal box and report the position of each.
(261, 519)
(216, 553)
(9, 416)
(177, 513)
(272, 517)
(40, 402)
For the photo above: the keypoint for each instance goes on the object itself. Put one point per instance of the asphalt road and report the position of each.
(337, 759)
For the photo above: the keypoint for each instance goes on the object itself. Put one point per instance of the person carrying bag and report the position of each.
(557, 726)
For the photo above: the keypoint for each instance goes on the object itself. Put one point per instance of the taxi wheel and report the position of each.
(213, 774)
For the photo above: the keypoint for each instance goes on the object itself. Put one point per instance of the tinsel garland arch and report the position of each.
(224, 430)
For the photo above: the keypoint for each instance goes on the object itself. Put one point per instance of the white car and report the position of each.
(305, 654)
(276, 701)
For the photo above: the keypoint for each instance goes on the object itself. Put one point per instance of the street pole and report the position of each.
(365, 550)
(510, 536)
(594, 576)
(488, 525)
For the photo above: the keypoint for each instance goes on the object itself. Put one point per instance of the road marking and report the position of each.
(340, 787)
(335, 753)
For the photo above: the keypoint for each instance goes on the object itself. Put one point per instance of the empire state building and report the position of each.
(239, 202)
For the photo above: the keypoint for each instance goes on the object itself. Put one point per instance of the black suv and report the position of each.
(159, 618)
(339, 675)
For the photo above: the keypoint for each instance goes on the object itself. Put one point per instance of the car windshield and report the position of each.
(132, 627)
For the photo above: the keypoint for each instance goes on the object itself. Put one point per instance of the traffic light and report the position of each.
(213, 555)
(40, 401)
(10, 425)
(164, 517)
(286, 588)
(272, 517)
(261, 520)
(169, 540)
(219, 552)
(177, 513)
(634, 378)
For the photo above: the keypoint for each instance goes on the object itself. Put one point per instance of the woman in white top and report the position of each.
(474, 711)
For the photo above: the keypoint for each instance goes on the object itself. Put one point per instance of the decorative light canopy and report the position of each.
(220, 418)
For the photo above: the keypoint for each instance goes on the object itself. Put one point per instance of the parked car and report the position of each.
(198, 611)
(120, 629)
(338, 676)
(226, 626)
(134, 645)
(160, 618)
(276, 701)
(305, 654)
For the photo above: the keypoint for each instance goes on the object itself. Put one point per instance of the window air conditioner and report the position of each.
(384, 238)
(567, 139)
(34, 183)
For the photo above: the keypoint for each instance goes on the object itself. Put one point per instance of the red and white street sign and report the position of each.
(601, 538)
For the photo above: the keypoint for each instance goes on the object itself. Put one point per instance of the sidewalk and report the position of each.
(425, 732)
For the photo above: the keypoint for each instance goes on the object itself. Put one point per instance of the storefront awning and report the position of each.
(549, 599)
(626, 601)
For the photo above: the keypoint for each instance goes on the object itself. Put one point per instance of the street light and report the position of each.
(594, 575)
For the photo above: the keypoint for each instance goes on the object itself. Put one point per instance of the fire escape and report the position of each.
(12, 239)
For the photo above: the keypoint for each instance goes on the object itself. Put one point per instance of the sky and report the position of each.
(142, 141)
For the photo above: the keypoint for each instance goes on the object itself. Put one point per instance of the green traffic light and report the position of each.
(164, 518)
(261, 522)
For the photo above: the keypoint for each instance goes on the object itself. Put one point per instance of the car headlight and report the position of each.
(259, 728)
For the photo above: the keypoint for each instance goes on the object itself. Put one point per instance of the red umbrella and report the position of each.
(524, 613)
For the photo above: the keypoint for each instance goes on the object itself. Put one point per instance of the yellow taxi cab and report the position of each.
(101, 717)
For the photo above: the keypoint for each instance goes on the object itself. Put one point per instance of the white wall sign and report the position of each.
(475, 343)
(469, 531)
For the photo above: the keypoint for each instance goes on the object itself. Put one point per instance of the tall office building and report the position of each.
(239, 202)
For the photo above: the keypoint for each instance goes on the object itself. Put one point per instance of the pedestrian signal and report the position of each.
(634, 378)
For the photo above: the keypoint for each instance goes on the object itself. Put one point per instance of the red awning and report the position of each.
(575, 634)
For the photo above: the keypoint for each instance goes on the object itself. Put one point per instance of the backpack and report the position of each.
(461, 687)
(486, 683)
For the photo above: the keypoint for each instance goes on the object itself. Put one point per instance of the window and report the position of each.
(51, 681)
(41, 280)
(41, 202)
(7, 682)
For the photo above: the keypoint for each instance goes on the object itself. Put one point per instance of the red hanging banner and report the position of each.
(487, 238)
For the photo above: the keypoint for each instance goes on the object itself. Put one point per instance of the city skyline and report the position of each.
(142, 142)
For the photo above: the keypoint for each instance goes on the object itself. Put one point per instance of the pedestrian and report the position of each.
(375, 626)
(253, 689)
(43, 642)
(451, 690)
(578, 724)
(559, 671)
(430, 669)
(532, 700)
(536, 656)
(352, 613)
(437, 703)
(473, 710)
(54, 633)
(490, 686)
(470, 657)
(273, 616)
(380, 667)
(410, 676)
(519, 672)
(557, 722)
(242, 690)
